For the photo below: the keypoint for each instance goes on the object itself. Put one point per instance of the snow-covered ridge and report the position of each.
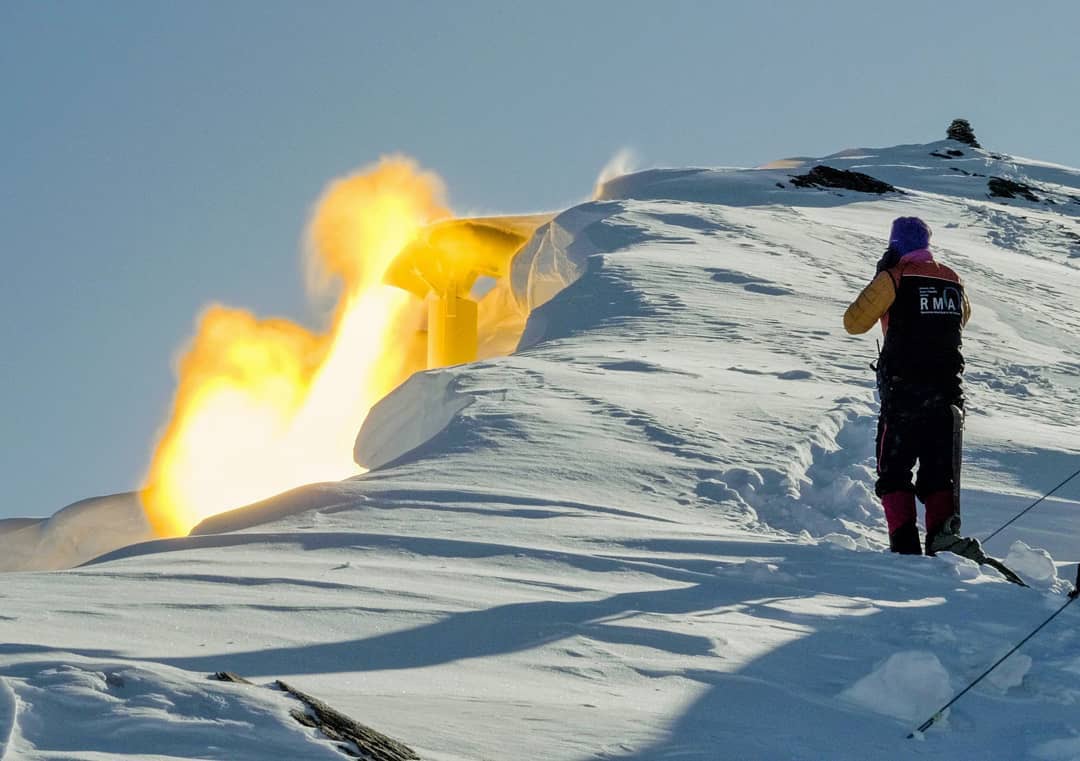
(649, 531)
(592, 241)
(945, 168)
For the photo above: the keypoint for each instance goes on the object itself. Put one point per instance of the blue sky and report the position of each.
(157, 156)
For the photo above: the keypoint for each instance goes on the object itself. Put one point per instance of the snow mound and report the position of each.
(910, 686)
(1065, 749)
(555, 256)
(407, 418)
(74, 535)
(1011, 672)
(8, 710)
(1034, 565)
(843, 541)
(755, 570)
(299, 500)
(963, 568)
(81, 710)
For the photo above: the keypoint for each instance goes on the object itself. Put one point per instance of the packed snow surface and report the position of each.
(649, 533)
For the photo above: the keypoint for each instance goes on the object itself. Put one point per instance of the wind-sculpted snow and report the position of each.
(650, 532)
(555, 256)
(74, 535)
(416, 412)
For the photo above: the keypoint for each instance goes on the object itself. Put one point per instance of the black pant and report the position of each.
(915, 429)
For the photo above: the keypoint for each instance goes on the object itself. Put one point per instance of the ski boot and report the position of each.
(947, 539)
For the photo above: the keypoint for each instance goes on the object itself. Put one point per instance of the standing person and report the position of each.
(922, 308)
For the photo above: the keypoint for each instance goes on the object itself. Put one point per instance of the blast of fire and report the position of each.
(264, 405)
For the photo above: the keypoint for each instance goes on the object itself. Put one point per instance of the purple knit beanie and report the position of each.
(909, 234)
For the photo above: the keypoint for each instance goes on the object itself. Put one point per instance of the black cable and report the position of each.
(1033, 504)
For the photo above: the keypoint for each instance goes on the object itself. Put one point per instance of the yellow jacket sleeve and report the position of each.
(869, 306)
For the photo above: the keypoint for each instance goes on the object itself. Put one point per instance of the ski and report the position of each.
(967, 547)
(1004, 570)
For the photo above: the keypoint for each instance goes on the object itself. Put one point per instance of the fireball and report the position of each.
(265, 405)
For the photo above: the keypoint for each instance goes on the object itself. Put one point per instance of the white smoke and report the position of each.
(623, 162)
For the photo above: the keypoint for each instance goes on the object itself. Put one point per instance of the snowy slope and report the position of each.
(650, 532)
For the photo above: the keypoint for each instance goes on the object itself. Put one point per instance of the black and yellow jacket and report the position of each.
(923, 307)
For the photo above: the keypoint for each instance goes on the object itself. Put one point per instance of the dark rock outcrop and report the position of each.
(1001, 187)
(351, 737)
(960, 130)
(823, 176)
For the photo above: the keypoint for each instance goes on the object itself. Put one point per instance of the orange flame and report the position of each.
(263, 406)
